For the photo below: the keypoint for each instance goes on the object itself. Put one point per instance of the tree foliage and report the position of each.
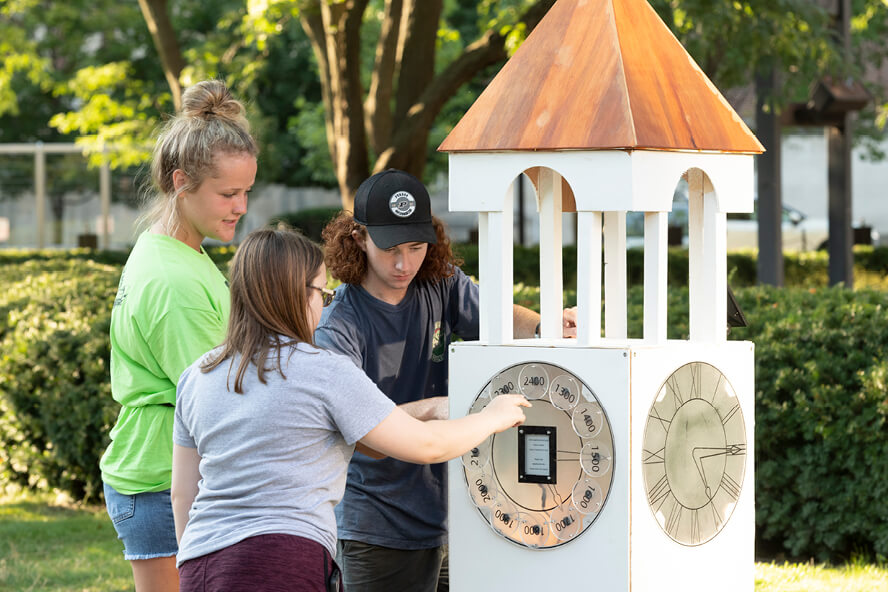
(793, 34)
(338, 89)
(797, 37)
(390, 117)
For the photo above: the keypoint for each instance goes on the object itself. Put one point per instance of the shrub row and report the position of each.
(821, 396)
(310, 221)
(221, 256)
(55, 398)
(800, 269)
(821, 411)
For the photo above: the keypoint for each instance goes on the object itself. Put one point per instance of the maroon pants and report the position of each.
(264, 563)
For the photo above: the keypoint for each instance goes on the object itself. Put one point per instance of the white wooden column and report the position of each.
(708, 267)
(551, 280)
(40, 192)
(655, 268)
(615, 275)
(588, 278)
(696, 237)
(715, 265)
(495, 273)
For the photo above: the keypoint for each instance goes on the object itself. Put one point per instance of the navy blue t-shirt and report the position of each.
(403, 349)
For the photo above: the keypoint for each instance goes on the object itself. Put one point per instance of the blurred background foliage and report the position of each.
(89, 70)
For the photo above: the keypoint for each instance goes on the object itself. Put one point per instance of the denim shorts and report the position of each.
(144, 522)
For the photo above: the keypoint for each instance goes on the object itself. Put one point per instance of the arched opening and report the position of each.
(545, 274)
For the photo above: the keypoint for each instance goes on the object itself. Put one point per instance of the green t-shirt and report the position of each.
(171, 307)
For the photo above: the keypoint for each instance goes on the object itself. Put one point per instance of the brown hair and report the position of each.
(211, 121)
(269, 280)
(348, 263)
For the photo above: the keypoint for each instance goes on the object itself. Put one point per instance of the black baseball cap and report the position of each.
(395, 207)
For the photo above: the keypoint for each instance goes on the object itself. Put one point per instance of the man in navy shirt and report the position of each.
(402, 299)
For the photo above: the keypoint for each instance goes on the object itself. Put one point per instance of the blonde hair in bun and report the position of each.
(212, 121)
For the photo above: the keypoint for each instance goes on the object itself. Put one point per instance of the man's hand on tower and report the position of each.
(569, 322)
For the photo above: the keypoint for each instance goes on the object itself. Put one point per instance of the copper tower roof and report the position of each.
(598, 75)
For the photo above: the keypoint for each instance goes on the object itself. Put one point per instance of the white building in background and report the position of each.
(804, 158)
(804, 161)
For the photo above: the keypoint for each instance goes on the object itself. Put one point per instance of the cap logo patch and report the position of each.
(402, 204)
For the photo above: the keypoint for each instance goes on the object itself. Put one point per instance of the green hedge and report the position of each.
(800, 269)
(310, 221)
(55, 399)
(821, 395)
(821, 410)
(12, 256)
(221, 256)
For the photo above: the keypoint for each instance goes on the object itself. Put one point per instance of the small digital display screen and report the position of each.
(536, 454)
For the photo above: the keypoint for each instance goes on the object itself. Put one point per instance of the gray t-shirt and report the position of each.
(274, 459)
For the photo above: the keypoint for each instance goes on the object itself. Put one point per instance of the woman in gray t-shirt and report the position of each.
(266, 423)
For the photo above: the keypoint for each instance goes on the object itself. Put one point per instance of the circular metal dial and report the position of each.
(694, 453)
(545, 482)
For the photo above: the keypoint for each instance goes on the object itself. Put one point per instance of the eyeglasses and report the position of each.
(326, 294)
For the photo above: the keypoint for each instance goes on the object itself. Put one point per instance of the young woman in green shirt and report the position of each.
(171, 307)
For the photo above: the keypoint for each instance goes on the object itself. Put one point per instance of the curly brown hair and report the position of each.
(348, 263)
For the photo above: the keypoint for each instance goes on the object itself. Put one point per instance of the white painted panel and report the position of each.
(725, 563)
(477, 179)
(646, 560)
(655, 174)
(638, 180)
(481, 560)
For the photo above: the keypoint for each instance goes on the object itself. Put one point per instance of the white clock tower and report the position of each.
(634, 470)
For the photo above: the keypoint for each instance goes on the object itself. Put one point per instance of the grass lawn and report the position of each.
(54, 547)
(51, 546)
(806, 577)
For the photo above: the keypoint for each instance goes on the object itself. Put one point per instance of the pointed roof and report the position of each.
(601, 74)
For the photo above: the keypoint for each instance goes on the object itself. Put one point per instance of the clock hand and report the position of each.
(698, 462)
(730, 450)
(698, 454)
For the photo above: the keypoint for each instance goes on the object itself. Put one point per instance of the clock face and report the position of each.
(543, 483)
(694, 453)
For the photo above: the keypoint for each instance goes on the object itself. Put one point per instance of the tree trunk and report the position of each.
(158, 20)
(485, 51)
(340, 52)
(419, 117)
(313, 25)
(405, 52)
(416, 59)
(378, 106)
(57, 207)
